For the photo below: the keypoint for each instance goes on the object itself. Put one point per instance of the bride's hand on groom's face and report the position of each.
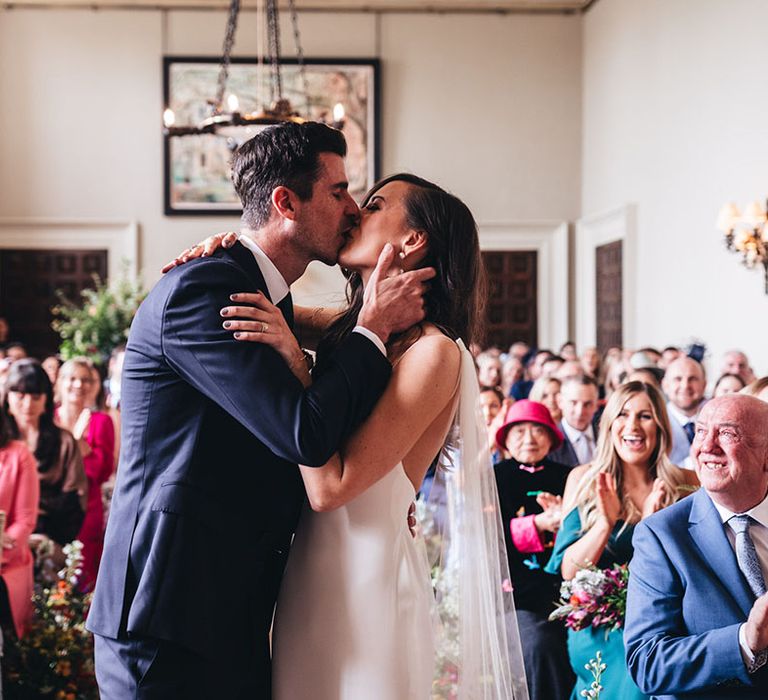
(392, 304)
(203, 249)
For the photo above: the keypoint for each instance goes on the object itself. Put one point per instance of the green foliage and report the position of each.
(100, 322)
(54, 659)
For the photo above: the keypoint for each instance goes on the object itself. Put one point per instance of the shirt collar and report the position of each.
(758, 513)
(573, 434)
(679, 416)
(276, 284)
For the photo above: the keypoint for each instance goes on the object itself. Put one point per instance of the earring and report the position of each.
(402, 255)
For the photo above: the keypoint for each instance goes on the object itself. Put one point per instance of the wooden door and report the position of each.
(512, 302)
(608, 269)
(28, 283)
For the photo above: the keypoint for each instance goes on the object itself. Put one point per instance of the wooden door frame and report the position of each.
(550, 241)
(619, 224)
(119, 238)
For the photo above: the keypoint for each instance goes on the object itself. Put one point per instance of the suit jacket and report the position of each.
(686, 601)
(566, 454)
(208, 490)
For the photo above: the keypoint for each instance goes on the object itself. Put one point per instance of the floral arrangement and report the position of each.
(594, 598)
(100, 322)
(55, 658)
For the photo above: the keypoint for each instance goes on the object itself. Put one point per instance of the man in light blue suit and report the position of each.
(697, 608)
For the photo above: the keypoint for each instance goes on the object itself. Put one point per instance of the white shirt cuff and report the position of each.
(746, 652)
(372, 337)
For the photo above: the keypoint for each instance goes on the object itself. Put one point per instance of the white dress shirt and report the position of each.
(278, 288)
(583, 441)
(758, 531)
(677, 415)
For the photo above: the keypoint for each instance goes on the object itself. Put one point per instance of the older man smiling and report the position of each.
(697, 609)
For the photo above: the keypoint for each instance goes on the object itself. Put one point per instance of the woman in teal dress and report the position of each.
(630, 478)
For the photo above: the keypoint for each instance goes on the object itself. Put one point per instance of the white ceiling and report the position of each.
(356, 5)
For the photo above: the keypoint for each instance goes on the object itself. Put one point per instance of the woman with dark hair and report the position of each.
(630, 478)
(19, 495)
(28, 402)
(366, 629)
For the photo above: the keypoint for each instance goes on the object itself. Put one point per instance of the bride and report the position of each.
(357, 616)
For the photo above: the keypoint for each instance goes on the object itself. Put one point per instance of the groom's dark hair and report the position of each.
(287, 155)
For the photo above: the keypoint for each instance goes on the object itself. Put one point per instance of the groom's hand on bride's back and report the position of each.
(393, 302)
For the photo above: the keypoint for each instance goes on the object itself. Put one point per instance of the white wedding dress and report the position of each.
(357, 617)
(353, 619)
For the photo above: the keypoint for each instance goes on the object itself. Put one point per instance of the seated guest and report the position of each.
(546, 390)
(590, 362)
(52, 365)
(668, 355)
(697, 609)
(629, 478)
(28, 403)
(530, 486)
(551, 366)
(736, 362)
(758, 388)
(95, 433)
(568, 351)
(521, 389)
(727, 384)
(578, 404)
(649, 375)
(15, 351)
(488, 369)
(684, 383)
(570, 368)
(491, 404)
(511, 371)
(520, 350)
(19, 495)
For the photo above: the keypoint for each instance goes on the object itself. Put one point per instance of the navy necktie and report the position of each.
(286, 307)
(746, 555)
(690, 429)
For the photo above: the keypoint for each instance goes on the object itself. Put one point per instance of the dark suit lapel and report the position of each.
(707, 531)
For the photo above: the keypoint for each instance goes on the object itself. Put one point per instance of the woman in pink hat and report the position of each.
(530, 489)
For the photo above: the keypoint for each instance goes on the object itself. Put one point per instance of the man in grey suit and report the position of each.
(578, 402)
(684, 383)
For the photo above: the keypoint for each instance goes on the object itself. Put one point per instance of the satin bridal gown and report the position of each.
(353, 618)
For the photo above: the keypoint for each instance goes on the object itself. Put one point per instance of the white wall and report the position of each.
(675, 121)
(487, 105)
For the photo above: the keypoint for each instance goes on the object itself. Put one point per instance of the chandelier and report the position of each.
(747, 234)
(224, 119)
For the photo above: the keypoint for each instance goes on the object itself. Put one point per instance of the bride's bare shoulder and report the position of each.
(431, 350)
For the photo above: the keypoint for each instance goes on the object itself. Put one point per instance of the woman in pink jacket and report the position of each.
(96, 437)
(19, 496)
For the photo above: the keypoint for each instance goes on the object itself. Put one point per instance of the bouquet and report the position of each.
(594, 598)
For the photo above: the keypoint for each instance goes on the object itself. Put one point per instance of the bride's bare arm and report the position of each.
(423, 384)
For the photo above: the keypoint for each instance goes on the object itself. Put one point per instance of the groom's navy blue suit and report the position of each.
(208, 492)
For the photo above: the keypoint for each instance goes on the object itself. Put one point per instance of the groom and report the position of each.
(208, 491)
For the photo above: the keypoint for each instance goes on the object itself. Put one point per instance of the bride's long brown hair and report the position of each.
(456, 295)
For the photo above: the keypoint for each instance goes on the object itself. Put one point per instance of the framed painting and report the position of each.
(197, 167)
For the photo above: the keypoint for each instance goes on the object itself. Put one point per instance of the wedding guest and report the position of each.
(546, 390)
(652, 354)
(684, 383)
(491, 404)
(15, 351)
(728, 384)
(669, 355)
(736, 362)
(19, 495)
(578, 404)
(568, 350)
(551, 366)
(488, 369)
(570, 368)
(649, 375)
(96, 438)
(617, 370)
(521, 389)
(28, 405)
(520, 350)
(757, 388)
(52, 365)
(629, 478)
(511, 371)
(697, 610)
(530, 489)
(590, 361)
